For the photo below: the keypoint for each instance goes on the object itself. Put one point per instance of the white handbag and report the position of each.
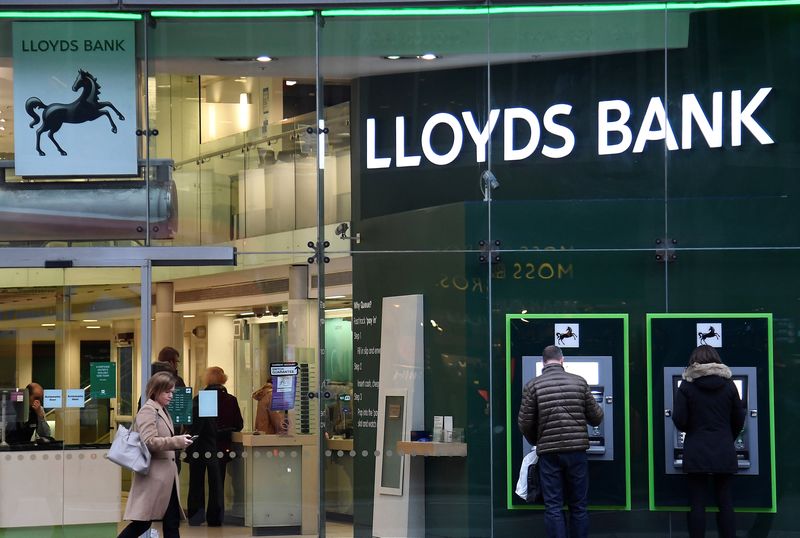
(129, 451)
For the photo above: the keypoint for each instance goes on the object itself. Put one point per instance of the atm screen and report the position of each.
(741, 386)
(590, 371)
(740, 382)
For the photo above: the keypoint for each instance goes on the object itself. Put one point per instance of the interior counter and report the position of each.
(281, 482)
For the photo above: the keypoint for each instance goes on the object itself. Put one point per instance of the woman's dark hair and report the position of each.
(168, 354)
(704, 354)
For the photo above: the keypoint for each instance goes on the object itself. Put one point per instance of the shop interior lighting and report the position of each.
(556, 8)
(291, 82)
(188, 316)
(48, 324)
(428, 56)
(264, 59)
(93, 326)
(239, 14)
(76, 15)
(89, 321)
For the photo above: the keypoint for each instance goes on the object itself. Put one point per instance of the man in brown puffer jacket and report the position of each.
(556, 407)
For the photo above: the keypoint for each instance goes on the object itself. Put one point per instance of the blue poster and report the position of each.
(284, 385)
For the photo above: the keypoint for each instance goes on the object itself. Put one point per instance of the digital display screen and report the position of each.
(737, 381)
(590, 371)
(740, 387)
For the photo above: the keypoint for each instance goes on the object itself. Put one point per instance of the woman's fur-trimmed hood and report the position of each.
(696, 371)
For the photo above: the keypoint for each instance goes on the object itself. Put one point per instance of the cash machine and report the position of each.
(746, 443)
(744, 343)
(598, 373)
(595, 348)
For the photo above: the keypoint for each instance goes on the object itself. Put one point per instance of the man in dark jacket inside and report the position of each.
(556, 407)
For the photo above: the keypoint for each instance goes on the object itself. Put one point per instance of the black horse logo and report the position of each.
(710, 334)
(566, 334)
(85, 108)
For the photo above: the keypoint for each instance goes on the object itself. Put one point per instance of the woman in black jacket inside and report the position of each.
(709, 410)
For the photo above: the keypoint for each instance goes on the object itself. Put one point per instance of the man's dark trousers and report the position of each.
(564, 476)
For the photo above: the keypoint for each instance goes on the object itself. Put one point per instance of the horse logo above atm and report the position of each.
(709, 334)
(566, 335)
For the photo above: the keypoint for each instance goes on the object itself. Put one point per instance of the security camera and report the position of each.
(341, 231)
(489, 179)
(488, 183)
(275, 309)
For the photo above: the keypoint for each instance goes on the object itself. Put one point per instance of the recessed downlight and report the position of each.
(93, 326)
(428, 56)
(48, 324)
(393, 57)
(89, 320)
(291, 82)
(264, 59)
(188, 315)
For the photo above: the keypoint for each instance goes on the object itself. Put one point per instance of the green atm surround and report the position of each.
(617, 326)
(666, 492)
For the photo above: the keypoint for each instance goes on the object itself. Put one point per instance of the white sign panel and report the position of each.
(207, 403)
(53, 399)
(709, 334)
(75, 398)
(567, 335)
(74, 99)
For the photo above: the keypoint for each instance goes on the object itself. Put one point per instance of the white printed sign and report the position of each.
(567, 335)
(76, 398)
(74, 99)
(53, 399)
(709, 334)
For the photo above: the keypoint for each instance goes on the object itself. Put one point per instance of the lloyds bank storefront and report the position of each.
(390, 210)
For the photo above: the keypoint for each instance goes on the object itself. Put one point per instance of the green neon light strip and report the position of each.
(770, 361)
(75, 15)
(262, 14)
(626, 377)
(568, 8)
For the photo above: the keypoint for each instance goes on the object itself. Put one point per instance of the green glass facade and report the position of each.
(498, 167)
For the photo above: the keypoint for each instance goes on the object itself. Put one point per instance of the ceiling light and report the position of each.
(89, 321)
(48, 324)
(2, 120)
(428, 56)
(247, 313)
(335, 297)
(291, 82)
(392, 57)
(188, 315)
(230, 315)
(93, 326)
(264, 59)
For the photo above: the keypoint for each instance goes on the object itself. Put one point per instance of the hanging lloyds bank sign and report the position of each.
(730, 117)
(74, 99)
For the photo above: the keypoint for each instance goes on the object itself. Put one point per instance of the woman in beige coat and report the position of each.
(155, 495)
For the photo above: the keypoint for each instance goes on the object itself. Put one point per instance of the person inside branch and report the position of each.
(36, 426)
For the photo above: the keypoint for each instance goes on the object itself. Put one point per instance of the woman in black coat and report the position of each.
(709, 410)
